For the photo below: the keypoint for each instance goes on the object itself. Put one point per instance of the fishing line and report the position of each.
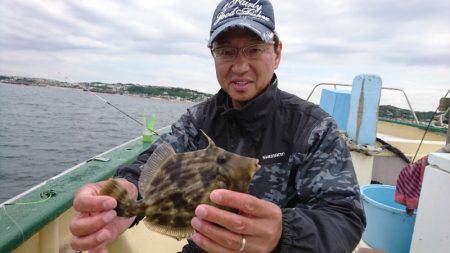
(14, 221)
(126, 114)
(46, 195)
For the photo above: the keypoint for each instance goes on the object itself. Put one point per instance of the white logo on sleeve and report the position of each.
(265, 157)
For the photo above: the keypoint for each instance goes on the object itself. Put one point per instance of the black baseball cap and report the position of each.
(256, 15)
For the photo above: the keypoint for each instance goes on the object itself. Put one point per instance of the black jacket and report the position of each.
(306, 168)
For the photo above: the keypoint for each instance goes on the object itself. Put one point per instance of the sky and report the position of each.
(149, 42)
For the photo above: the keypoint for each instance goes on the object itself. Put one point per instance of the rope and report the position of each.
(398, 152)
(360, 111)
(373, 150)
(365, 149)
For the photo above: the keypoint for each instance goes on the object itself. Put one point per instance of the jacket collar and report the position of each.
(253, 116)
(256, 108)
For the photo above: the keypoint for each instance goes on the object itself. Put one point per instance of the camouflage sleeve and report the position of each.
(327, 215)
(183, 137)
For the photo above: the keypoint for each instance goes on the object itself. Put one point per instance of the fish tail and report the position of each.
(126, 206)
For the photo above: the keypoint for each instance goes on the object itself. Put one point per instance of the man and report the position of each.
(305, 197)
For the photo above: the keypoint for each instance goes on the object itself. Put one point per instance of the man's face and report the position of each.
(242, 78)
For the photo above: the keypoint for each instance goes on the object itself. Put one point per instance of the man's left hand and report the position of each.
(256, 228)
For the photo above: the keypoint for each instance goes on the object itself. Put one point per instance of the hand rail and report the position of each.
(384, 88)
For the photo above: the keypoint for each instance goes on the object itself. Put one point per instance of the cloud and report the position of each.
(406, 43)
(420, 59)
(398, 11)
(385, 31)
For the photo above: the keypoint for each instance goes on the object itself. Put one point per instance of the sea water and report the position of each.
(46, 130)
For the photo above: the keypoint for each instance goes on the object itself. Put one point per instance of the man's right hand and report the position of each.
(96, 223)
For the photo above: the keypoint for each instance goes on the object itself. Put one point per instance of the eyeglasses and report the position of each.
(227, 54)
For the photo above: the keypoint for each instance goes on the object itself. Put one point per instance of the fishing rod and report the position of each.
(126, 114)
(428, 126)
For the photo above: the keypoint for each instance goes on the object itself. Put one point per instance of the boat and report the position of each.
(37, 220)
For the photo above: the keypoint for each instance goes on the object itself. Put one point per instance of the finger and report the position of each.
(231, 221)
(90, 203)
(217, 234)
(208, 245)
(83, 225)
(91, 241)
(244, 202)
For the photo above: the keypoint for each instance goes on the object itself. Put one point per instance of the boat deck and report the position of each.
(407, 138)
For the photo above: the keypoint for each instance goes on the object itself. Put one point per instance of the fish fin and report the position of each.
(163, 152)
(210, 141)
(177, 233)
(126, 206)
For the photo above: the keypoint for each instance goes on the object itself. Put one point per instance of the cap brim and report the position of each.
(262, 31)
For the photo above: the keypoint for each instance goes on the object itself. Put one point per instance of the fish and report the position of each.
(173, 184)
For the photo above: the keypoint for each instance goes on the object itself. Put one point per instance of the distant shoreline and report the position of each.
(128, 94)
(162, 92)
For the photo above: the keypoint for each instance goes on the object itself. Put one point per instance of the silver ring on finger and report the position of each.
(242, 244)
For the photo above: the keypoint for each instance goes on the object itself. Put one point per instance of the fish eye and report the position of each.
(221, 159)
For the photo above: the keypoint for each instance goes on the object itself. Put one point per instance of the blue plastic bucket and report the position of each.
(389, 228)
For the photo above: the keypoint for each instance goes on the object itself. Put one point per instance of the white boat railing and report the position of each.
(383, 88)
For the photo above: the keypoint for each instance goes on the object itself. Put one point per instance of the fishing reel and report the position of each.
(47, 194)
